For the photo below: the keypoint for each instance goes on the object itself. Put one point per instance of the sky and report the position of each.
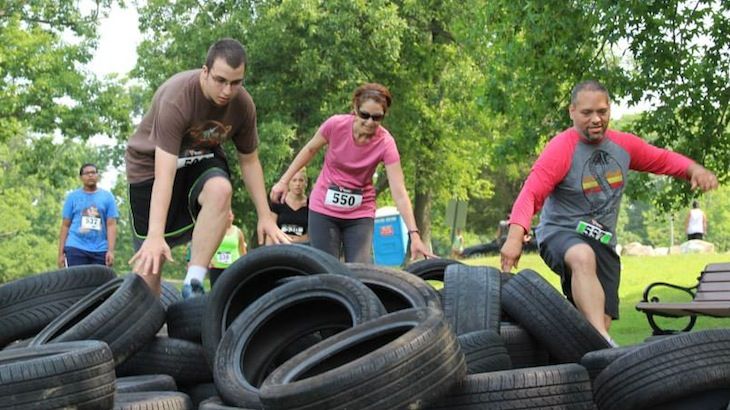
(117, 51)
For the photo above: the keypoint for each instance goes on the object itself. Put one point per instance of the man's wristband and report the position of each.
(413, 231)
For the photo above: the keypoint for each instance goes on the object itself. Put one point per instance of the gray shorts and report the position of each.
(553, 249)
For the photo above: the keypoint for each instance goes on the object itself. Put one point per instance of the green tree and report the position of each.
(45, 88)
(678, 60)
(529, 54)
(306, 58)
(673, 53)
(50, 105)
(716, 206)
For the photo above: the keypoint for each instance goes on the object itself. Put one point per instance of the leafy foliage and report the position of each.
(680, 62)
(45, 87)
(50, 105)
(306, 58)
(478, 86)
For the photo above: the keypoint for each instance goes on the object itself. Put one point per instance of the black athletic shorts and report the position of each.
(608, 263)
(184, 206)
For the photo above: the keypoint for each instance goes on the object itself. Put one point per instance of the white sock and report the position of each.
(195, 272)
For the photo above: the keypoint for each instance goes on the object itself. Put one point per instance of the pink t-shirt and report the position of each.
(350, 166)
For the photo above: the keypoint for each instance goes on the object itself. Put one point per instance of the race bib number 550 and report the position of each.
(343, 198)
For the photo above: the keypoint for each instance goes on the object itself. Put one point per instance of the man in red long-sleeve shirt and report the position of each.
(580, 178)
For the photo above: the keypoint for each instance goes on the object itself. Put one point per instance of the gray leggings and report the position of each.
(354, 236)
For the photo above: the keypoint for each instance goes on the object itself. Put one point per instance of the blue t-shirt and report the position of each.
(88, 212)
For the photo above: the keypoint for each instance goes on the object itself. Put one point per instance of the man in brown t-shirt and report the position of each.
(179, 181)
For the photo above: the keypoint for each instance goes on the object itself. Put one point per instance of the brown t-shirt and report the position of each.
(183, 122)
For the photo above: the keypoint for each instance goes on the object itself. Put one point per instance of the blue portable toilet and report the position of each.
(390, 239)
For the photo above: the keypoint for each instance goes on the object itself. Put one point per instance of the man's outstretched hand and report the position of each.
(701, 178)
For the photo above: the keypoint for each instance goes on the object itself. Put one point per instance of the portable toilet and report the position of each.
(390, 239)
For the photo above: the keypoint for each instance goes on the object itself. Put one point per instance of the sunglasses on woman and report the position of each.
(366, 115)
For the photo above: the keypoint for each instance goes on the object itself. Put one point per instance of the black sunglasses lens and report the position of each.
(366, 115)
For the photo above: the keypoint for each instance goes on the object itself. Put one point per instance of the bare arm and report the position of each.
(111, 238)
(512, 248)
(275, 217)
(63, 235)
(396, 181)
(148, 260)
(241, 243)
(278, 191)
(253, 178)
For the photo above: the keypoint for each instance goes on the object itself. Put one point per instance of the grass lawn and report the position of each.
(637, 272)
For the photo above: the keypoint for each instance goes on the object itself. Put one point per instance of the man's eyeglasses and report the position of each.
(366, 115)
(89, 173)
(222, 82)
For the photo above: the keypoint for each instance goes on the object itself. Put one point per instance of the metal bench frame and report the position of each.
(710, 297)
(656, 329)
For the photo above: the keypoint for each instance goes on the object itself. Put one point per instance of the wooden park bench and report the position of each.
(710, 297)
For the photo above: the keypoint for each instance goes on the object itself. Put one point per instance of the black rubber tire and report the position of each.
(29, 304)
(216, 403)
(396, 289)
(185, 318)
(254, 274)
(406, 359)
(523, 349)
(598, 360)
(550, 318)
(505, 276)
(654, 338)
(182, 359)
(200, 392)
(62, 375)
(665, 370)
(17, 344)
(484, 352)
(471, 298)
(255, 342)
(433, 268)
(716, 399)
(147, 382)
(123, 313)
(169, 294)
(152, 400)
(565, 387)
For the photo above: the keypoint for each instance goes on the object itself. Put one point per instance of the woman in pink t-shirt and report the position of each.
(342, 203)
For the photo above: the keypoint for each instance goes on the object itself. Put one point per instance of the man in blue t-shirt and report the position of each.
(89, 226)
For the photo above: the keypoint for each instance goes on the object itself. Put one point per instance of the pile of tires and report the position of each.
(84, 337)
(289, 327)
